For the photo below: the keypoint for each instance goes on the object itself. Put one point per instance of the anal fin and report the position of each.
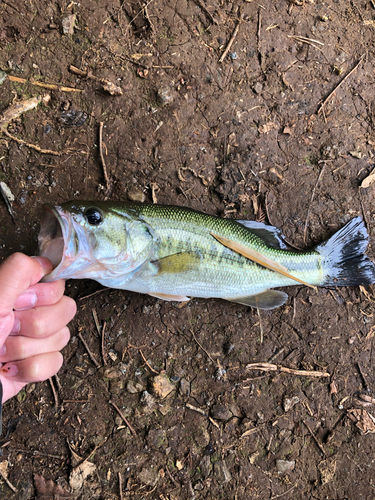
(170, 297)
(269, 299)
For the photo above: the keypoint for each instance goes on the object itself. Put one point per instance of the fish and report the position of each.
(176, 253)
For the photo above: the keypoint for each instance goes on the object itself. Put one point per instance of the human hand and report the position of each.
(33, 319)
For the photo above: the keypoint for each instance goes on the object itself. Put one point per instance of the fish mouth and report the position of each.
(65, 243)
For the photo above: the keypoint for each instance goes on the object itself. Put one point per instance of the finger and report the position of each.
(46, 294)
(35, 369)
(43, 321)
(18, 347)
(17, 273)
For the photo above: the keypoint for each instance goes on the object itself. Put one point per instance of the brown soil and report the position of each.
(236, 138)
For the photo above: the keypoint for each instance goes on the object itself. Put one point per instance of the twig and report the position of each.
(312, 198)
(54, 393)
(103, 350)
(49, 86)
(329, 97)
(178, 485)
(101, 125)
(96, 320)
(123, 417)
(204, 350)
(37, 452)
(202, 412)
(207, 12)
(365, 385)
(258, 37)
(93, 294)
(315, 439)
(260, 326)
(268, 367)
(120, 485)
(32, 146)
(285, 492)
(230, 43)
(8, 482)
(92, 357)
(147, 363)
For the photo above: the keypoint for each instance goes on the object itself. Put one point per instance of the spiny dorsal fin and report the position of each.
(257, 257)
(271, 235)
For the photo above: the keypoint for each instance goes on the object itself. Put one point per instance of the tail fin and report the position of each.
(344, 261)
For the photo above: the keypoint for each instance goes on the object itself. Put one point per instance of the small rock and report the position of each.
(134, 387)
(184, 387)
(115, 371)
(73, 118)
(136, 195)
(147, 400)
(68, 24)
(284, 466)
(258, 87)
(149, 477)
(206, 466)
(288, 403)
(221, 472)
(162, 386)
(157, 438)
(220, 412)
(233, 55)
(111, 88)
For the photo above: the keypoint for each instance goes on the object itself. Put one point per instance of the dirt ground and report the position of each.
(279, 127)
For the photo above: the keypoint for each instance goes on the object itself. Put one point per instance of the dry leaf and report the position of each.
(49, 490)
(370, 179)
(267, 127)
(80, 473)
(363, 420)
(327, 469)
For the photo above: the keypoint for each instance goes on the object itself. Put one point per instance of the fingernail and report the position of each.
(3, 350)
(9, 370)
(16, 326)
(25, 301)
(44, 262)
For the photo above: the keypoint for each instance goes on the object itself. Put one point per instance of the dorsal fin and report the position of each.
(271, 235)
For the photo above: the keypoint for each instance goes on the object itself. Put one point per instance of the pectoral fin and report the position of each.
(269, 299)
(167, 296)
(257, 257)
(177, 263)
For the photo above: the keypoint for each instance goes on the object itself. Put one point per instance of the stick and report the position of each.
(204, 350)
(50, 86)
(314, 438)
(54, 392)
(103, 350)
(123, 417)
(207, 12)
(120, 485)
(312, 198)
(230, 43)
(92, 357)
(260, 326)
(31, 146)
(102, 156)
(328, 98)
(268, 367)
(8, 482)
(147, 363)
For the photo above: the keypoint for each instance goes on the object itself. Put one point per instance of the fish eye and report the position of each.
(93, 216)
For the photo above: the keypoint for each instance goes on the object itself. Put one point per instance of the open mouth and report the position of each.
(51, 238)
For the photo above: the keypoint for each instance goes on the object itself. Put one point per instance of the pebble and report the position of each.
(288, 403)
(136, 195)
(220, 412)
(184, 387)
(147, 399)
(134, 387)
(221, 472)
(162, 386)
(149, 477)
(283, 466)
(258, 87)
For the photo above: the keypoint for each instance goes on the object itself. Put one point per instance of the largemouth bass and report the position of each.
(174, 253)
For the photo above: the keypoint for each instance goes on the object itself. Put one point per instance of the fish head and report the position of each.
(92, 240)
